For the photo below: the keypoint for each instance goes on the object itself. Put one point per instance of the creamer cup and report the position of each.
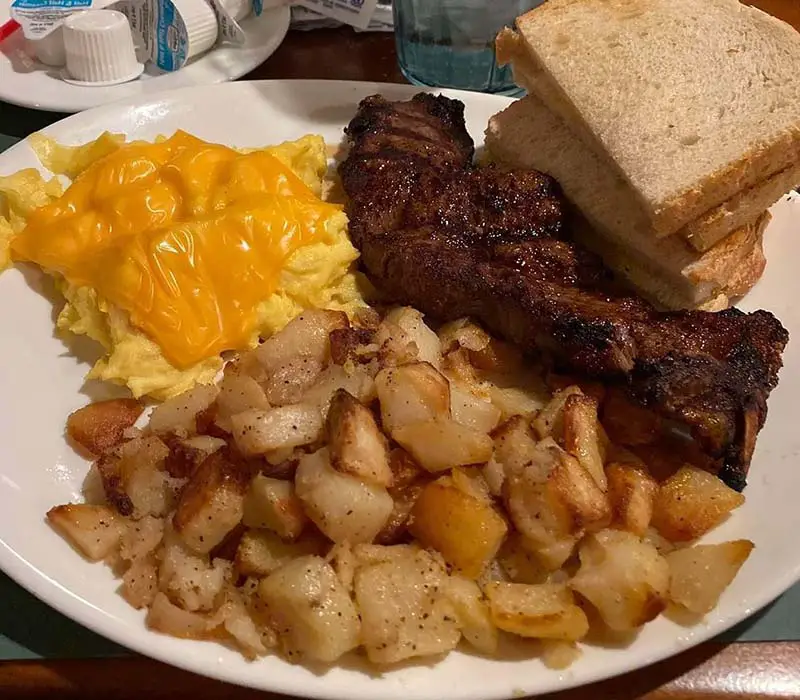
(172, 32)
(99, 49)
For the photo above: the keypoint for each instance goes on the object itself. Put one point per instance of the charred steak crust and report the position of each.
(455, 240)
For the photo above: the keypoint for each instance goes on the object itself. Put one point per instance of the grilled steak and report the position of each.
(454, 240)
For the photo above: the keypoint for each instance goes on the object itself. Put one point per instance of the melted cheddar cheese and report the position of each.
(185, 236)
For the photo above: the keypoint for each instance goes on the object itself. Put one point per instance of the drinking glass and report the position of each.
(450, 43)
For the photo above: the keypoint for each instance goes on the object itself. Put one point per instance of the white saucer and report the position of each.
(28, 83)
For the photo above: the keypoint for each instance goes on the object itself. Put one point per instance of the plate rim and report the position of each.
(94, 618)
(283, 17)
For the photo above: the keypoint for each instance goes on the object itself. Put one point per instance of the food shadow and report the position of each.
(80, 348)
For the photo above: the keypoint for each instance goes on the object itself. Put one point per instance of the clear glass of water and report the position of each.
(450, 43)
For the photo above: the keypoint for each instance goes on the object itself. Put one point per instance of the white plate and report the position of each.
(27, 83)
(40, 383)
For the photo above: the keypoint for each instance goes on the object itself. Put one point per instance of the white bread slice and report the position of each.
(668, 271)
(712, 225)
(692, 101)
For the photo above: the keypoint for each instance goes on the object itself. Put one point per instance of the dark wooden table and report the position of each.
(712, 671)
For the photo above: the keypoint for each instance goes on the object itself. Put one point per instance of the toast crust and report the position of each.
(708, 230)
(706, 289)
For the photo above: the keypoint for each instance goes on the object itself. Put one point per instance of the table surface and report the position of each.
(48, 656)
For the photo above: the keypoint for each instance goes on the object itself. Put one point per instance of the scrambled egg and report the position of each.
(313, 267)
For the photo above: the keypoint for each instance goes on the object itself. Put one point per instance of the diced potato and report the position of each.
(543, 611)
(395, 530)
(552, 554)
(536, 507)
(342, 506)
(493, 572)
(467, 531)
(410, 394)
(100, 426)
(94, 531)
(494, 475)
(472, 614)
(581, 435)
(352, 345)
(625, 578)
(520, 393)
(185, 455)
(141, 476)
(632, 492)
(211, 504)
(261, 552)
(550, 420)
(226, 550)
(289, 382)
(441, 444)
(427, 342)
(109, 472)
(178, 415)
(248, 365)
(470, 480)
(278, 461)
(189, 579)
(463, 333)
(366, 318)
(408, 480)
(558, 382)
(580, 493)
(457, 368)
(515, 447)
(692, 502)
(258, 432)
(472, 411)
(700, 574)
(311, 611)
(356, 444)
(344, 562)
(405, 471)
(519, 565)
(542, 521)
(238, 393)
(140, 583)
(273, 504)
(238, 622)
(558, 655)
(395, 346)
(204, 444)
(404, 608)
(141, 537)
(368, 554)
(307, 335)
(258, 611)
(661, 543)
(165, 617)
(357, 382)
